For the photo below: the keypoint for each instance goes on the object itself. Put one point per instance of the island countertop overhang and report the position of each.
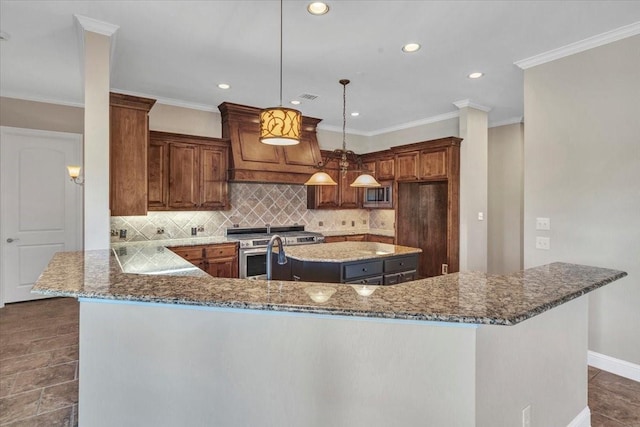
(467, 297)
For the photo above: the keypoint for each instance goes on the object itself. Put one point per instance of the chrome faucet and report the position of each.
(282, 259)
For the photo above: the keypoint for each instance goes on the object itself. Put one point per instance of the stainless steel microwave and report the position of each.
(379, 197)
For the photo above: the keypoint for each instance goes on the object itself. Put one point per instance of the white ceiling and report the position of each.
(178, 51)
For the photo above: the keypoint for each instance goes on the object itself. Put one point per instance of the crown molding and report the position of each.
(580, 46)
(505, 122)
(32, 98)
(171, 101)
(469, 103)
(95, 26)
(415, 123)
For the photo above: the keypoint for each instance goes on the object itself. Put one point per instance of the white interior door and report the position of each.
(41, 207)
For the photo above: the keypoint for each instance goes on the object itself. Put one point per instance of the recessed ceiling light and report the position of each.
(355, 114)
(410, 47)
(223, 86)
(295, 102)
(476, 75)
(318, 8)
(4, 36)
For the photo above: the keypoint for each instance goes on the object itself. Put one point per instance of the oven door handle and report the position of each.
(253, 251)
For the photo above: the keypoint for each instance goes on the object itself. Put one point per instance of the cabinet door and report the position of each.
(325, 196)
(128, 161)
(350, 197)
(183, 176)
(222, 267)
(371, 167)
(213, 184)
(385, 169)
(158, 178)
(407, 166)
(433, 164)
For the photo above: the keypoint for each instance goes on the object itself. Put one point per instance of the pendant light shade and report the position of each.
(320, 178)
(366, 181)
(279, 125)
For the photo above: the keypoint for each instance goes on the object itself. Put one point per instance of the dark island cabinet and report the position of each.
(374, 271)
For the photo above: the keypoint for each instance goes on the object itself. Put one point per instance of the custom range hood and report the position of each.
(253, 161)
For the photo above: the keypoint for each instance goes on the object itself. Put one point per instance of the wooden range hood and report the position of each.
(253, 161)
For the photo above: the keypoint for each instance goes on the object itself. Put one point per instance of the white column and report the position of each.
(96, 38)
(474, 150)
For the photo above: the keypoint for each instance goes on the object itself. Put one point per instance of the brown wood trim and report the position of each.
(435, 143)
(188, 139)
(128, 101)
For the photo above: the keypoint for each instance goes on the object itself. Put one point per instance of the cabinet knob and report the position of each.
(364, 269)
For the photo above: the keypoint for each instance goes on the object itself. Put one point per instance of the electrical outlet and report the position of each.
(344, 222)
(480, 216)
(159, 230)
(543, 224)
(200, 228)
(114, 232)
(320, 223)
(364, 222)
(123, 233)
(543, 243)
(526, 416)
(445, 268)
(353, 223)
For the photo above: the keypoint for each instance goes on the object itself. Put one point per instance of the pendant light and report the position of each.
(363, 180)
(279, 125)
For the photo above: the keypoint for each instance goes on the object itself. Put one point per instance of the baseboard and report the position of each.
(582, 420)
(613, 365)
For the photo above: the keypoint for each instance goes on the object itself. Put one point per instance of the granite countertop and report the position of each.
(346, 251)
(473, 297)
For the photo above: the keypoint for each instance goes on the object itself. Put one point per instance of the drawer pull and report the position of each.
(364, 269)
(401, 264)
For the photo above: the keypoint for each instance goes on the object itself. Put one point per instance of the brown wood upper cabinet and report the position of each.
(187, 172)
(128, 140)
(422, 164)
(253, 161)
(341, 196)
(380, 164)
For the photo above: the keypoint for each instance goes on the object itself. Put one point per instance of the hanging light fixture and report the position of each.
(343, 155)
(279, 125)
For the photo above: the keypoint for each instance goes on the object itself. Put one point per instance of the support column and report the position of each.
(96, 39)
(474, 130)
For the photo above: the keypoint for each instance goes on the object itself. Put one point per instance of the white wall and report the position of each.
(426, 132)
(505, 212)
(169, 118)
(20, 113)
(582, 170)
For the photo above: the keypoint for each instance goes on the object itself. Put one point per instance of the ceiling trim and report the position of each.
(22, 97)
(469, 103)
(580, 46)
(170, 101)
(511, 121)
(416, 123)
(95, 26)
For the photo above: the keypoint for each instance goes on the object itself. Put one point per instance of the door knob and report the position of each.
(10, 240)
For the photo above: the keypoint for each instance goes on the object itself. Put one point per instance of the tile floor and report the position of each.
(39, 371)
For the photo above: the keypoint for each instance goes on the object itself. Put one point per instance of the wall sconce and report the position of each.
(74, 174)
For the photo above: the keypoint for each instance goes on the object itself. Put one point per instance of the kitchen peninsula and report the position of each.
(464, 349)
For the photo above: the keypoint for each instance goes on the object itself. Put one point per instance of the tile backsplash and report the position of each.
(252, 205)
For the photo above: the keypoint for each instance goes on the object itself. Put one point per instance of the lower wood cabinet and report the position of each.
(219, 260)
(187, 172)
(360, 238)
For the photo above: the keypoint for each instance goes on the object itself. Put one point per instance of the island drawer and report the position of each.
(394, 279)
(376, 280)
(362, 269)
(400, 264)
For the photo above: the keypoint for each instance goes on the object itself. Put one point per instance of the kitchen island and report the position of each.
(465, 349)
(363, 263)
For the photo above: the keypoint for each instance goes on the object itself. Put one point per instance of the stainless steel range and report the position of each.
(253, 245)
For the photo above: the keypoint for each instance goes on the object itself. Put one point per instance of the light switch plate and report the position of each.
(543, 224)
(543, 243)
